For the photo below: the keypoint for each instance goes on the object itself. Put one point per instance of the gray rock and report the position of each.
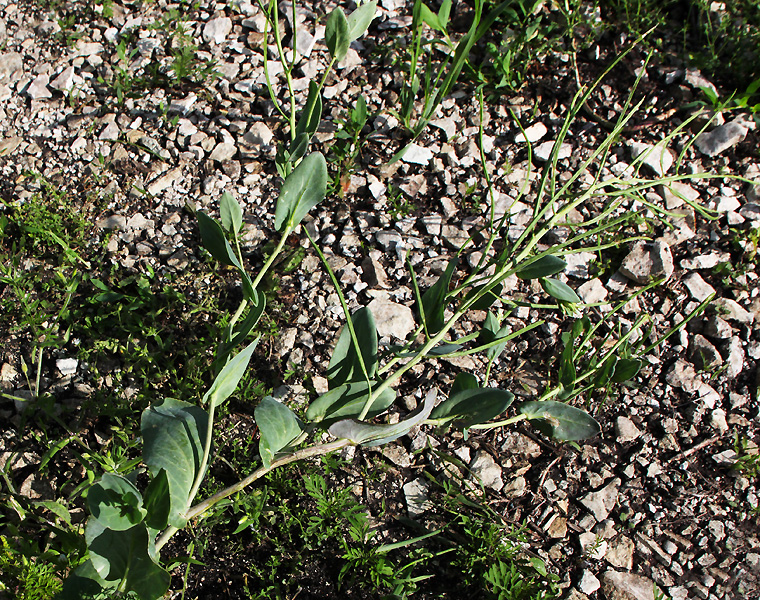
(626, 430)
(682, 375)
(485, 468)
(751, 210)
(65, 81)
(734, 353)
(698, 287)
(620, 553)
(67, 366)
(532, 134)
(258, 135)
(113, 222)
(416, 494)
(454, 237)
(578, 264)
(542, 152)
(388, 239)
(648, 261)
(215, 31)
(717, 328)
(658, 158)
(588, 583)
(721, 138)
(733, 311)
(703, 354)
(223, 151)
(110, 132)
(38, 88)
(592, 291)
(600, 503)
(9, 145)
(626, 586)
(11, 66)
(392, 320)
(705, 261)
(184, 105)
(417, 155)
(676, 193)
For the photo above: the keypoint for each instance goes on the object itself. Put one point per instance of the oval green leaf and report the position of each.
(336, 34)
(303, 189)
(375, 435)
(347, 401)
(543, 267)
(346, 360)
(625, 369)
(158, 501)
(559, 290)
(278, 426)
(231, 213)
(472, 406)
(434, 300)
(560, 421)
(360, 20)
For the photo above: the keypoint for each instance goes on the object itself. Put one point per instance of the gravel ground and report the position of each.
(654, 498)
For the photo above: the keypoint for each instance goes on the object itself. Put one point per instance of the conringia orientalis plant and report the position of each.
(129, 526)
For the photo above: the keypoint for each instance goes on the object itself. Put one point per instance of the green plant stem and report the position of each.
(510, 421)
(270, 259)
(202, 507)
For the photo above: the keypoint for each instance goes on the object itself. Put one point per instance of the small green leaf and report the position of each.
(443, 13)
(298, 147)
(472, 406)
(360, 20)
(303, 189)
(115, 502)
(359, 113)
(462, 382)
(241, 330)
(491, 332)
(308, 122)
(430, 18)
(215, 241)
(345, 363)
(174, 433)
(336, 34)
(560, 421)
(347, 401)
(158, 501)
(604, 373)
(543, 267)
(226, 382)
(375, 435)
(626, 369)
(278, 426)
(559, 290)
(486, 301)
(231, 213)
(434, 300)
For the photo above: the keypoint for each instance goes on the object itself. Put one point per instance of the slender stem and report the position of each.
(515, 419)
(270, 259)
(202, 507)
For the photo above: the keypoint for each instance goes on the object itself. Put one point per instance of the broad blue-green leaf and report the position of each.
(472, 406)
(604, 373)
(359, 20)
(543, 267)
(157, 501)
(560, 421)
(84, 583)
(298, 147)
(559, 290)
(278, 426)
(227, 381)
(345, 362)
(375, 435)
(174, 433)
(336, 34)
(308, 122)
(434, 300)
(231, 213)
(303, 189)
(125, 557)
(625, 369)
(241, 330)
(115, 502)
(567, 370)
(348, 401)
